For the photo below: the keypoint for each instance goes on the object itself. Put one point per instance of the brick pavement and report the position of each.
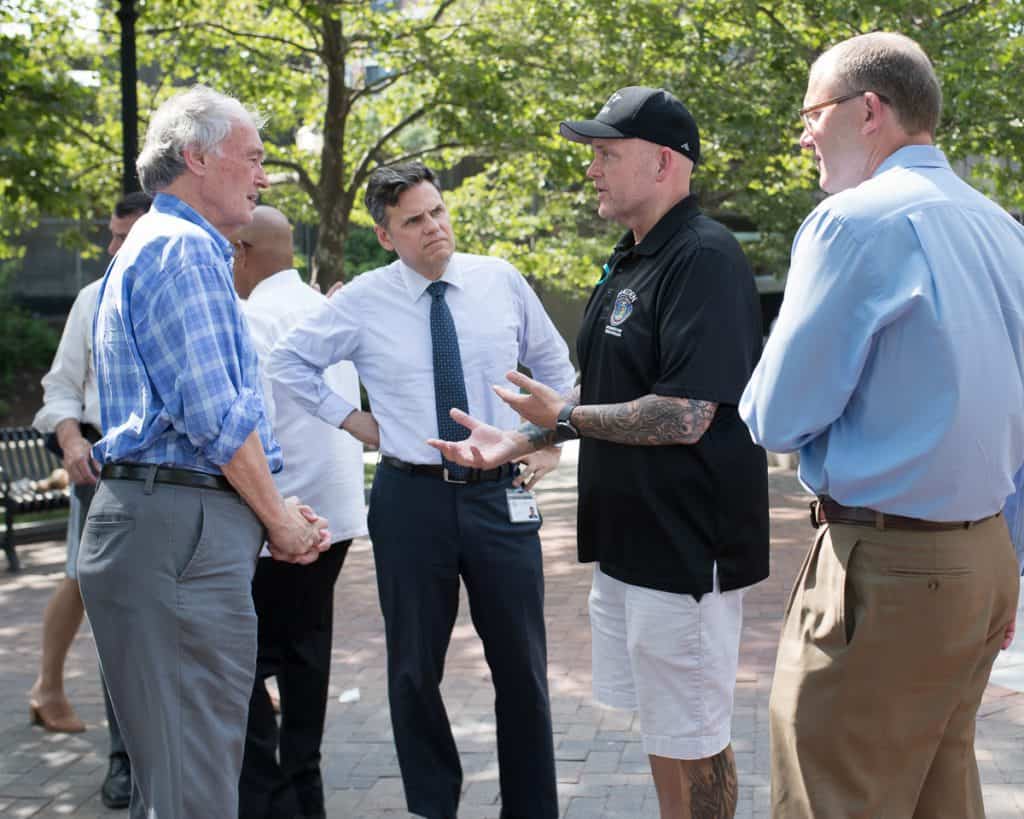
(602, 771)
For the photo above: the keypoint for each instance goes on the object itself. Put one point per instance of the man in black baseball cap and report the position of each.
(651, 114)
(673, 494)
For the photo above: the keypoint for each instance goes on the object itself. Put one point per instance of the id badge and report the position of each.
(522, 506)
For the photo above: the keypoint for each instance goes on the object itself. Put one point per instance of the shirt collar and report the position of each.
(285, 278)
(667, 227)
(173, 206)
(416, 285)
(913, 156)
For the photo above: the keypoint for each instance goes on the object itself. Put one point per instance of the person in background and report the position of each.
(323, 465)
(71, 414)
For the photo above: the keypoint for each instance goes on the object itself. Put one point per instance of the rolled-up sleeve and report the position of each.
(64, 385)
(297, 362)
(194, 350)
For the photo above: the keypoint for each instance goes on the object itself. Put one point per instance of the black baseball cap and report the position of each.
(641, 113)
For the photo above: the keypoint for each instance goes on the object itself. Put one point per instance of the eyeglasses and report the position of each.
(805, 113)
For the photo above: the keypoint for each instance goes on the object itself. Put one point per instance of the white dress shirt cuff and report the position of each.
(53, 413)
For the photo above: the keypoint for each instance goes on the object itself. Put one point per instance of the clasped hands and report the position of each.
(299, 536)
(488, 447)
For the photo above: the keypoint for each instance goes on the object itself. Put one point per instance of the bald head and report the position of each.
(893, 66)
(262, 248)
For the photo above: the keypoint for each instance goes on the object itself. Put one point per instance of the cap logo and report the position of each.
(611, 101)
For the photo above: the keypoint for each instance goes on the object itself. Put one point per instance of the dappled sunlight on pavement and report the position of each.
(602, 770)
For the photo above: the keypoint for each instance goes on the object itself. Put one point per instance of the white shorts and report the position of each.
(672, 659)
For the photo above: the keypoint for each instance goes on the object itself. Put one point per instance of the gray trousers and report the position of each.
(165, 573)
(81, 497)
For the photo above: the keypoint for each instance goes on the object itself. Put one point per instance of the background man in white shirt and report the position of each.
(432, 323)
(294, 603)
(70, 411)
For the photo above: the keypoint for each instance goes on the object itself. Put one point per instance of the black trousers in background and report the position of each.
(281, 767)
(426, 535)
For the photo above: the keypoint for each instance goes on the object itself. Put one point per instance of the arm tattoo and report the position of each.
(652, 420)
(537, 436)
(540, 437)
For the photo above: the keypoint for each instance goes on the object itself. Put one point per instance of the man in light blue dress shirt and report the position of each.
(429, 524)
(896, 368)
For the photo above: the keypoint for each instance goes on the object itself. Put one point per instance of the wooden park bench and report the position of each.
(24, 460)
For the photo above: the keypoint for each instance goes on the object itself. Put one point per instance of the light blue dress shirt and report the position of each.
(380, 321)
(897, 363)
(178, 377)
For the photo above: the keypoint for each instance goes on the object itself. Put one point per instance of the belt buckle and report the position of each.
(814, 513)
(447, 479)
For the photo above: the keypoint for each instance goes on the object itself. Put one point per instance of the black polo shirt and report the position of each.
(678, 315)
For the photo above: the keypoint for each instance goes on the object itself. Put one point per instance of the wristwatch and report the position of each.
(564, 430)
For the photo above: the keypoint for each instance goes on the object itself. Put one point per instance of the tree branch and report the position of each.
(236, 34)
(88, 135)
(954, 14)
(362, 169)
(305, 181)
(382, 84)
(314, 32)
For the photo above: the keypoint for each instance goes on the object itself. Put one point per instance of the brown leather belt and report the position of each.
(439, 471)
(826, 510)
(166, 474)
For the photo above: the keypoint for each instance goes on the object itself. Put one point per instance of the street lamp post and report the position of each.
(127, 14)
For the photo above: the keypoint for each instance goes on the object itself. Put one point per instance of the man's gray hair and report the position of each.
(199, 119)
(388, 182)
(893, 66)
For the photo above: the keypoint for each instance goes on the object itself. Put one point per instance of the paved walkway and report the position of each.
(602, 771)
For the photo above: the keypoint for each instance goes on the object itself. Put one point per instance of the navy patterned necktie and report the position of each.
(449, 384)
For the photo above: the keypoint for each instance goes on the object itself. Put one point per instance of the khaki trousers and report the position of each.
(886, 648)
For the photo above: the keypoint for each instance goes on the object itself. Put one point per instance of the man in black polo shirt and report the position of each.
(673, 495)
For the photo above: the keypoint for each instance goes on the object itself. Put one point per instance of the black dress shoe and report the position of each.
(117, 787)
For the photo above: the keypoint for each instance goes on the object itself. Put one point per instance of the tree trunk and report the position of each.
(329, 259)
(335, 203)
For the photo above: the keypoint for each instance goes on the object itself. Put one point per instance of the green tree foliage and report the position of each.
(480, 85)
(58, 146)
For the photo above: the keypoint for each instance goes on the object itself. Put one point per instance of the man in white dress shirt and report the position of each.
(323, 466)
(431, 330)
(70, 412)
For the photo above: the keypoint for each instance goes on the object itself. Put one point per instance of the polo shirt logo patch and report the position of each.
(621, 310)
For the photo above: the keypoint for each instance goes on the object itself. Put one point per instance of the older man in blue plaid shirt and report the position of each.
(186, 495)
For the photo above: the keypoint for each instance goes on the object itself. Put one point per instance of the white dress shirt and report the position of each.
(381, 322)
(323, 466)
(69, 388)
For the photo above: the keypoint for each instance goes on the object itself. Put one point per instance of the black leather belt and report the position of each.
(439, 471)
(826, 510)
(166, 474)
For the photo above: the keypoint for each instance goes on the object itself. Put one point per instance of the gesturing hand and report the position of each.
(485, 448)
(539, 406)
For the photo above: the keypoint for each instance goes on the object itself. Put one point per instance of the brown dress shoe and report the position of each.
(57, 717)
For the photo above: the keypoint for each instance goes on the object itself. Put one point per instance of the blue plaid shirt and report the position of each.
(178, 376)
